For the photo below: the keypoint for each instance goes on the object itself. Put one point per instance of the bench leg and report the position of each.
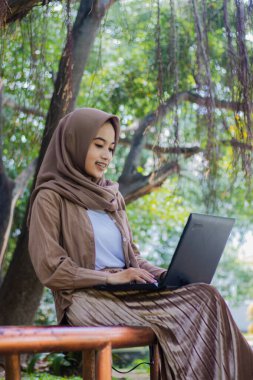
(154, 360)
(104, 363)
(12, 367)
(89, 357)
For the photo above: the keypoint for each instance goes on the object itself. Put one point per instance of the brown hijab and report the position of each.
(62, 169)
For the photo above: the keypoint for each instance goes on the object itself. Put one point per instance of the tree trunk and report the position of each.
(71, 68)
(21, 291)
(11, 10)
(6, 189)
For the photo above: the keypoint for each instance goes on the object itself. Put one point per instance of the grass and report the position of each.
(46, 376)
(122, 357)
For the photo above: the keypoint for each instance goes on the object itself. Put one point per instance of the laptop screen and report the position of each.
(199, 250)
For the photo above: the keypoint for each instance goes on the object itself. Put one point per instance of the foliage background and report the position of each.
(122, 76)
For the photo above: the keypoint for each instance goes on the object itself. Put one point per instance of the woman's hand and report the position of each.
(141, 276)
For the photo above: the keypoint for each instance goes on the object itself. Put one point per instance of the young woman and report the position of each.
(80, 237)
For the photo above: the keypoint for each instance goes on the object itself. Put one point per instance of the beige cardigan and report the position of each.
(62, 248)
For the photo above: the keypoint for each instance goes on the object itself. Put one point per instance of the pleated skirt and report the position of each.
(198, 338)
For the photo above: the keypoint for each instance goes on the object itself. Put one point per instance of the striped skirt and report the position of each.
(198, 338)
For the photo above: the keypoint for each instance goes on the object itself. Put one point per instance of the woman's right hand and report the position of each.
(141, 276)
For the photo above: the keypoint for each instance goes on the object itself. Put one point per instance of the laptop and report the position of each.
(196, 256)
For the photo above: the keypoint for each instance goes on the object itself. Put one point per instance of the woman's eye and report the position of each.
(102, 146)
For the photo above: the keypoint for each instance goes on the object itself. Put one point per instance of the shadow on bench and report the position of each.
(96, 344)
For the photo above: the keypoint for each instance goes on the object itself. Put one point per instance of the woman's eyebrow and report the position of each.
(101, 138)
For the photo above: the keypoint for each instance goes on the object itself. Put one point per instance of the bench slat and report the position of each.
(42, 339)
(104, 363)
(12, 367)
(96, 344)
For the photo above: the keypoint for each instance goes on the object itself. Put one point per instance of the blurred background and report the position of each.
(179, 76)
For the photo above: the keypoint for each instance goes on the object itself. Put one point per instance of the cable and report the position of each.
(131, 369)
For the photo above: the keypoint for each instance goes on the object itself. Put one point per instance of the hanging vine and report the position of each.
(175, 71)
(244, 125)
(240, 80)
(202, 42)
(210, 166)
(159, 62)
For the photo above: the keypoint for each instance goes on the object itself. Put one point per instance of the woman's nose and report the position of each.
(105, 155)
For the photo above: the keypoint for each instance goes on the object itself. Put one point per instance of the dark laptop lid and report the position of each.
(199, 250)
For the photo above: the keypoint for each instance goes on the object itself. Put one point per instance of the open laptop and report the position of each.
(196, 257)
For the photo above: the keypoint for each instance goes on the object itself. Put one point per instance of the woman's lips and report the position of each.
(101, 165)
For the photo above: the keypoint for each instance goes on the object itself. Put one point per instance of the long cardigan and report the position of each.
(198, 338)
(63, 253)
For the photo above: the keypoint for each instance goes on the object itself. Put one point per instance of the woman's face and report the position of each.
(100, 151)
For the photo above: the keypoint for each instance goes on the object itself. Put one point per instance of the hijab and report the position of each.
(62, 169)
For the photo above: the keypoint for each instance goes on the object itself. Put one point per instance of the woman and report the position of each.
(80, 237)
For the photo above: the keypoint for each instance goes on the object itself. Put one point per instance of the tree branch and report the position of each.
(191, 97)
(23, 178)
(19, 186)
(238, 144)
(205, 101)
(102, 7)
(141, 185)
(7, 102)
(187, 151)
(133, 158)
(12, 10)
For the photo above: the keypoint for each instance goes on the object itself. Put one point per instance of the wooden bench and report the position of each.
(95, 343)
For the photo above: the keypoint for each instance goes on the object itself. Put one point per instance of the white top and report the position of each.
(108, 241)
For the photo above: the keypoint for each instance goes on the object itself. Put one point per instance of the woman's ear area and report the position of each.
(116, 125)
(107, 133)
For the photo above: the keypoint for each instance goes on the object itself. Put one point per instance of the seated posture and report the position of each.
(80, 237)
